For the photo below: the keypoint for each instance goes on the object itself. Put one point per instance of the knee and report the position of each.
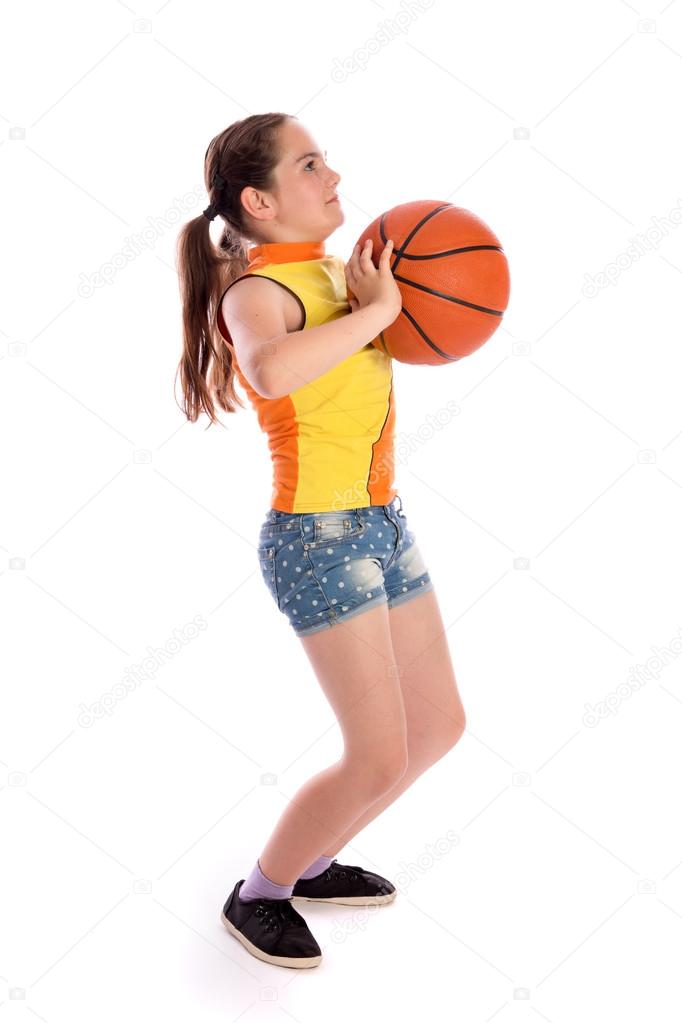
(385, 769)
(456, 729)
(453, 731)
(380, 771)
(439, 743)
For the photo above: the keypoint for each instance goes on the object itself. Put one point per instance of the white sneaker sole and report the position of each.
(354, 900)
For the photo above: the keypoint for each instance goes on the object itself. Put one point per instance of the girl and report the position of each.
(334, 548)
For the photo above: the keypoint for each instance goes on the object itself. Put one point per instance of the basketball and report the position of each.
(452, 274)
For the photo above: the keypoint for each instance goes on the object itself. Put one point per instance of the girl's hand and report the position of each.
(372, 286)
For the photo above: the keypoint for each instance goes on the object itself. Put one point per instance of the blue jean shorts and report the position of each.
(322, 568)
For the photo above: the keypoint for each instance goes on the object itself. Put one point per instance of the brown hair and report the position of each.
(245, 153)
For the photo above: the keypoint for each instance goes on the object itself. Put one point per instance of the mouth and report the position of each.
(334, 198)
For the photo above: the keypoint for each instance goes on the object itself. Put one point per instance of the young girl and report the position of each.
(334, 548)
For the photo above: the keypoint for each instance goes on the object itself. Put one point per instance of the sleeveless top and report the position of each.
(331, 441)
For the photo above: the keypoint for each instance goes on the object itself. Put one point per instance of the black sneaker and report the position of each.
(346, 885)
(271, 930)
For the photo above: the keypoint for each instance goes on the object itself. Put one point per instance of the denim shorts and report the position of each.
(325, 567)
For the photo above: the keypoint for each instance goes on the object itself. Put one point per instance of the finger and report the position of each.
(384, 262)
(366, 257)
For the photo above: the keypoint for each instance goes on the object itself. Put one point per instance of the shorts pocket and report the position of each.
(336, 526)
(266, 560)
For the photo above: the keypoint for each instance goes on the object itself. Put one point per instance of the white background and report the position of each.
(560, 895)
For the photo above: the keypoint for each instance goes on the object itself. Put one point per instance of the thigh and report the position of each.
(355, 666)
(324, 572)
(433, 707)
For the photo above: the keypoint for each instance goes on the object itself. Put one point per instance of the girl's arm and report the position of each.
(276, 362)
(291, 360)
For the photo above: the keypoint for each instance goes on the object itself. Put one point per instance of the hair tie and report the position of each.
(211, 210)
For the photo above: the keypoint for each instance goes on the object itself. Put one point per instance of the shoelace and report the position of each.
(347, 871)
(338, 871)
(275, 911)
(335, 872)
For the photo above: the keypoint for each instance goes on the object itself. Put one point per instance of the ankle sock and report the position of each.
(258, 886)
(320, 864)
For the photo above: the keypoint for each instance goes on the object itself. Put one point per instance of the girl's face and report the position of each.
(299, 208)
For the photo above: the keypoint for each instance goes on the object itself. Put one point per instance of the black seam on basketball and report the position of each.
(452, 252)
(398, 255)
(449, 298)
(427, 339)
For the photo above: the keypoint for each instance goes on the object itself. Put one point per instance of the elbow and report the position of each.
(261, 387)
(265, 386)
(258, 380)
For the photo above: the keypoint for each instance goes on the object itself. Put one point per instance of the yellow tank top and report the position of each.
(331, 441)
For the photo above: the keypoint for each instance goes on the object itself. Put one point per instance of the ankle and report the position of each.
(316, 868)
(258, 886)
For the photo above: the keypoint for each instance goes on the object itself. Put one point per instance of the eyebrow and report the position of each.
(305, 155)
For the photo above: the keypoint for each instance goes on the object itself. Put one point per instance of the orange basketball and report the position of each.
(452, 274)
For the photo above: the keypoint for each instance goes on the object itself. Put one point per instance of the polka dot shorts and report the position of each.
(326, 567)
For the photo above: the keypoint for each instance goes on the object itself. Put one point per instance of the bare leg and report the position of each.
(353, 662)
(433, 708)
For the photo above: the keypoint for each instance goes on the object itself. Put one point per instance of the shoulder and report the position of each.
(247, 286)
(253, 289)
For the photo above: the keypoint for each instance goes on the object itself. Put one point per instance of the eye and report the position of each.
(310, 162)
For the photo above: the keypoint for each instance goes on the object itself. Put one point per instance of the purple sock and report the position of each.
(320, 864)
(258, 886)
